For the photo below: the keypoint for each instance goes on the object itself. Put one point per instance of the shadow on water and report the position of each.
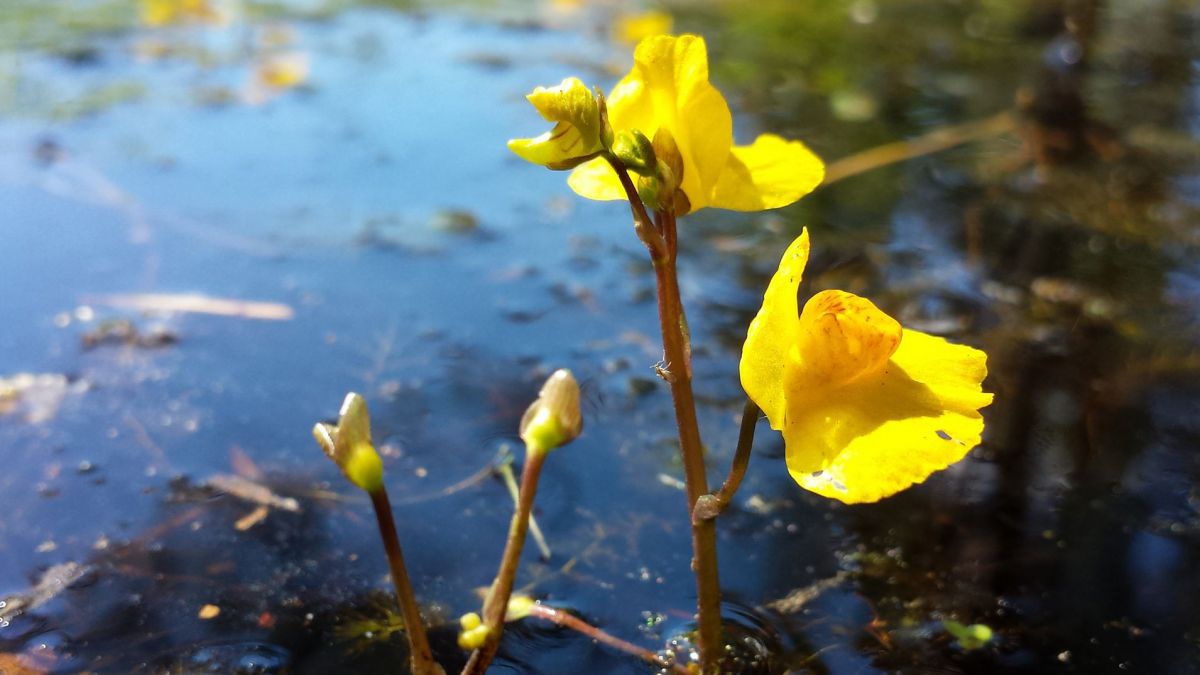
(342, 166)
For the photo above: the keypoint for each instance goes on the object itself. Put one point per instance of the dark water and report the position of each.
(429, 269)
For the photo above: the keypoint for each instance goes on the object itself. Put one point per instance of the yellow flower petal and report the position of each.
(772, 335)
(595, 180)
(669, 87)
(879, 435)
(563, 147)
(576, 134)
(767, 174)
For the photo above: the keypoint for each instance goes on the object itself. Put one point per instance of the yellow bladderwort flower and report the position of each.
(164, 12)
(631, 29)
(668, 89)
(576, 136)
(866, 408)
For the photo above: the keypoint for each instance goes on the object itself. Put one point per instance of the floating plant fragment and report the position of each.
(970, 638)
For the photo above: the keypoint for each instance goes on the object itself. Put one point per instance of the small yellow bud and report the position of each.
(348, 444)
(469, 621)
(635, 151)
(554, 418)
(519, 607)
(473, 638)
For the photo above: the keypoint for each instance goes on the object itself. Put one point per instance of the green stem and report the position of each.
(420, 657)
(496, 604)
(711, 506)
(510, 482)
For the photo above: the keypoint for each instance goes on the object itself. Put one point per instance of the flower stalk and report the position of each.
(420, 656)
(553, 420)
(659, 237)
(712, 505)
(496, 603)
(348, 444)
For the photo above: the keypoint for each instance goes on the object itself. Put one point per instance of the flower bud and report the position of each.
(519, 607)
(635, 151)
(668, 154)
(473, 633)
(553, 419)
(348, 444)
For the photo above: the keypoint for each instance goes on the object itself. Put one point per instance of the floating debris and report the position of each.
(970, 638)
(251, 519)
(36, 397)
(54, 581)
(250, 491)
(796, 600)
(124, 332)
(454, 221)
(208, 612)
(196, 303)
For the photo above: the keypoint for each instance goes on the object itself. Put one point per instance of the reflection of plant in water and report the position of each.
(867, 409)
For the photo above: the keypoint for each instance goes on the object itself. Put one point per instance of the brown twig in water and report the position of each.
(568, 620)
(937, 140)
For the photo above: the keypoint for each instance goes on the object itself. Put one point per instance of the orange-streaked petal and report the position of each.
(842, 338)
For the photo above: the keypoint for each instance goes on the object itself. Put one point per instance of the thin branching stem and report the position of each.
(568, 620)
(711, 506)
(496, 604)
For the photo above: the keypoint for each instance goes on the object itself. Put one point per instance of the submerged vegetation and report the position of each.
(224, 214)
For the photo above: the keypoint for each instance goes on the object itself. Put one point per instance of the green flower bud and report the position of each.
(348, 444)
(554, 419)
(635, 151)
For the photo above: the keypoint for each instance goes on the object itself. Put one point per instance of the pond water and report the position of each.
(337, 171)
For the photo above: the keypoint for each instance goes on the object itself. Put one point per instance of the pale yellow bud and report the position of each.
(554, 418)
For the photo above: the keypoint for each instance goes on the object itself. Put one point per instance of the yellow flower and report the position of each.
(668, 89)
(633, 28)
(164, 12)
(866, 408)
(576, 134)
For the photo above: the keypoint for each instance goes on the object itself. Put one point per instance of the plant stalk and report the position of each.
(659, 236)
(711, 506)
(496, 604)
(420, 657)
(678, 373)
